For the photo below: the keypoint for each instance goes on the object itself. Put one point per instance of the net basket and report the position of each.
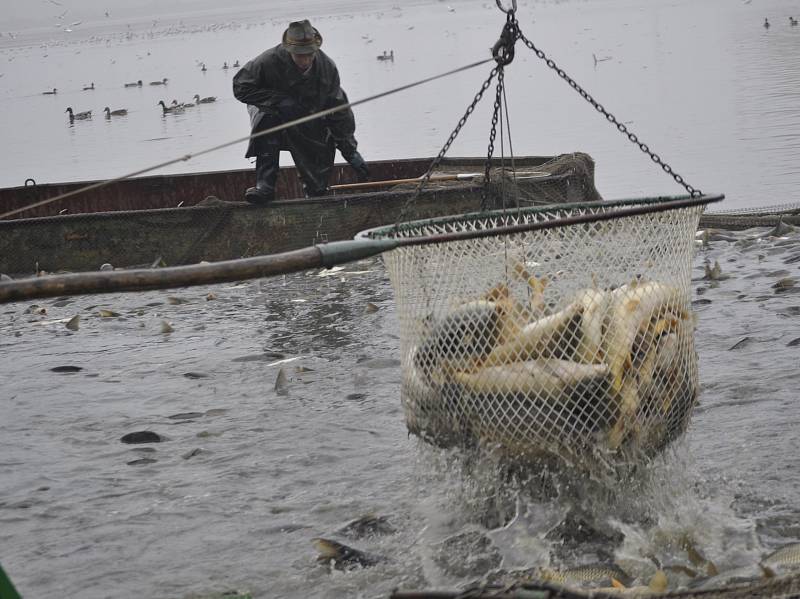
(574, 342)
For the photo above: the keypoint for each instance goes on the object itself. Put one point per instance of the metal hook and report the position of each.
(512, 9)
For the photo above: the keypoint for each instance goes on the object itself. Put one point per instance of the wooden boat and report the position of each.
(185, 219)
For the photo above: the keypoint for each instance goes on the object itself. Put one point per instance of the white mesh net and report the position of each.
(574, 342)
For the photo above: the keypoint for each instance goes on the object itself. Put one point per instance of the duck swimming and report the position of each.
(170, 109)
(136, 84)
(766, 23)
(385, 56)
(81, 116)
(88, 87)
(206, 100)
(52, 93)
(109, 112)
(162, 82)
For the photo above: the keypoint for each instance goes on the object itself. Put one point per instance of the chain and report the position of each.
(492, 136)
(611, 118)
(461, 122)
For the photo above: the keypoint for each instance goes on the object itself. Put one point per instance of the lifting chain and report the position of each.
(503, 53)
(492, 136)
(609, 117)
(436, 161)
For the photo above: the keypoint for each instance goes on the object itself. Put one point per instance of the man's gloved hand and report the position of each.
(286, 110)
(359, 166)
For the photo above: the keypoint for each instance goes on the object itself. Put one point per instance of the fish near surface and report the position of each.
(787, 557)
(596, 575)
(367, 525)
(342, 557)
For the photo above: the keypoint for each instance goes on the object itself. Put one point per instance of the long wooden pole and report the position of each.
(368, 184)
(317, 256)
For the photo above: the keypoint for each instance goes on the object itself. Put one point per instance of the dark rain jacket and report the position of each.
(276, 91)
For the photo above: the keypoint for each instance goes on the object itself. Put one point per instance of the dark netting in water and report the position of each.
(185, 219)
(574, 342)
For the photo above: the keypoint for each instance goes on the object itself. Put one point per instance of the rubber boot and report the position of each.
(266, 178)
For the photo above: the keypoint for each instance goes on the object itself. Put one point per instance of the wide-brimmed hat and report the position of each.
(301, 38)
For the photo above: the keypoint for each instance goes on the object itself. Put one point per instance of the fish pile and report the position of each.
(610, 369)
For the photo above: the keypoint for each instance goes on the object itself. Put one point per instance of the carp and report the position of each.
(546, 377)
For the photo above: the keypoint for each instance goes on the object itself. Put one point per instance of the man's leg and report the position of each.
(266, 177)
(313, 153)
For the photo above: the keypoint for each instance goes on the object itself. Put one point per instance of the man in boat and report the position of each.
(284, 83)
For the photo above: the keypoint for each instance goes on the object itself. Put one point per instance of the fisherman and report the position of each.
(292, 80)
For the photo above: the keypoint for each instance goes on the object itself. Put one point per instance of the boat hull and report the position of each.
(213, 229)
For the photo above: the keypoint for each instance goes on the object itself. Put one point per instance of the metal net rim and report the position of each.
(492, 221)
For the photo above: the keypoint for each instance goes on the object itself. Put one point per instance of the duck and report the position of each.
(792, 21)
(182, 104)
(162, 82)
(236, 62)
(206, 100)
(81, 116)
(385, 56)
(225, 65)
(52, 93)
(766, 23)
(170, 109)
(110, 113)
(135, 84)
(203, 67)
(88, 87)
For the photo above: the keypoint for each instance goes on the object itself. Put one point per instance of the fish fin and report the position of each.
(711, 568)
(499, 291)
(766, 571)
(658, 583)
(617, 584)
(327, 549)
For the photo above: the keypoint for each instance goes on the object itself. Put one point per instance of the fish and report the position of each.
(696, 558)
(281, 383)
(546, 377)
(787, 557)
(595, 305)
(599, 575)
(341, 557)
(536, 339)
(658, 584)
(367, 525)
(463, 338)
(635, 307)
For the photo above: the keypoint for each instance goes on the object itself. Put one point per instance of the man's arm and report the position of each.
(252, 85)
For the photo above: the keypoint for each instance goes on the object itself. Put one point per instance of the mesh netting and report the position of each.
(573, 342)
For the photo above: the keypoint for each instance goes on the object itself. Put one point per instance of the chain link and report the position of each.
(492, 136)
(461, 122)
(611, 118)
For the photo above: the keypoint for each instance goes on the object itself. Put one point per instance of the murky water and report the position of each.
(81, 512)
(249, 473)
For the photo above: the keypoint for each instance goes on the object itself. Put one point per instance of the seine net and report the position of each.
(573, 342)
